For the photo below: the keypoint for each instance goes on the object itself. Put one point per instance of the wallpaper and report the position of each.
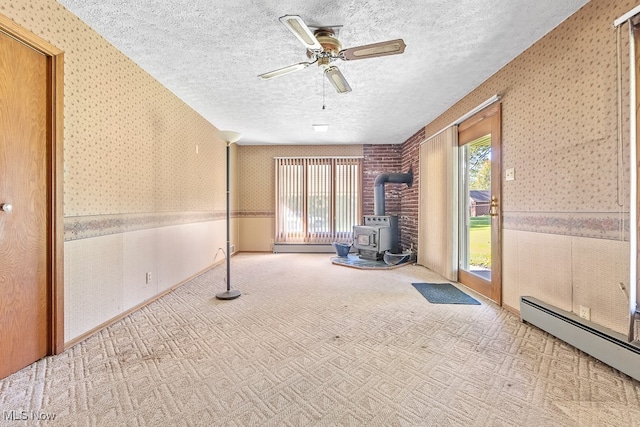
(133, 152)
(256, 172)
(560, 128)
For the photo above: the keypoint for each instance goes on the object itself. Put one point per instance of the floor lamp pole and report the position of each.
(229, 138)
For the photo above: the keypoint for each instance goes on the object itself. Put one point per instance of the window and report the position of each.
(318, 200)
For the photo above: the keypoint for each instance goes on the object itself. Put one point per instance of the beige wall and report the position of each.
(565, 239)
(256, 168)
(137, 196)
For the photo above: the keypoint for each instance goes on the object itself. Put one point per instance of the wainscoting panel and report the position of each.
(568, 272)
(106, 275)
(544, 267)
(140, 255)
(510, 283)
(93, 283)
(599, 267)
(184, 250)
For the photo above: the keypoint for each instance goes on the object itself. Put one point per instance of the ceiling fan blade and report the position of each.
(337, 79)
(286, 70)
(296, 25)
(390, 47)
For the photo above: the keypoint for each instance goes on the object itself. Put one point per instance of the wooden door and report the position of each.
(480, 245)
(24, 171)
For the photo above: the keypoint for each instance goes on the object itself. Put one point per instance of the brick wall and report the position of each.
(381, 158)
(409, 215)
(399, 199)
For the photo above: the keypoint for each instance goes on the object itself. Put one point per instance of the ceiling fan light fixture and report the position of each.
(285, 70)
(337, 79)
(320, 128)
(296, 25)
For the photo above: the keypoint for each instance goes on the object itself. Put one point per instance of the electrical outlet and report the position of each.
(147, 278)
(585, 313)
(233, 249)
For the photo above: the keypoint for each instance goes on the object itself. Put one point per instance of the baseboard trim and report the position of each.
(511, 310)
(293, 248)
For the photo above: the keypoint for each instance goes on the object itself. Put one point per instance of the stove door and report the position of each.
(365, 237)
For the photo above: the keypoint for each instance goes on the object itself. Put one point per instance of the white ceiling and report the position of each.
(209, 54)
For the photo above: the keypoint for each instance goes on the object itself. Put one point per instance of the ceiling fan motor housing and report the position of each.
(331, 46)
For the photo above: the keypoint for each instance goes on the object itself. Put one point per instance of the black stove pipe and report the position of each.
(378, 188)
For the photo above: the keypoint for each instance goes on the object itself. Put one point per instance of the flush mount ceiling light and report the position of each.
(320, 128)
(323, 48)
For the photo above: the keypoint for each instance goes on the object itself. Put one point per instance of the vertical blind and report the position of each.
(437, 213)
(318, 199)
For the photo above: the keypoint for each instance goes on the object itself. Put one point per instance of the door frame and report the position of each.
(55, 175)
(488, 121)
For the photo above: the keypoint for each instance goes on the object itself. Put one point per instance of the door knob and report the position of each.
(493, 208)
(6, 207)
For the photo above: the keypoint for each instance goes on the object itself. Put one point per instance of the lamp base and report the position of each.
(232, 294)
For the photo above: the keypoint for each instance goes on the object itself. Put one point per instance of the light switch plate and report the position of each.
(510, 174)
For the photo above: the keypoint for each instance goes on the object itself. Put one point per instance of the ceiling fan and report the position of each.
(323, 48)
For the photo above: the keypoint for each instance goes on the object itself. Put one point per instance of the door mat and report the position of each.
(444, 293)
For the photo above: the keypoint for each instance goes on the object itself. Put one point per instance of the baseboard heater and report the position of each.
(296, 248)
(604, 344)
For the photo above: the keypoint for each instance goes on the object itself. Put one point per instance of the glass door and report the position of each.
(475, 232)
(479, 208)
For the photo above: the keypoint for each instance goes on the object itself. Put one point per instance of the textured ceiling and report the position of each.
(209, 54)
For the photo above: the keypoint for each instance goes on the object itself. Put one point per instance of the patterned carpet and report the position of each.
(311, 343)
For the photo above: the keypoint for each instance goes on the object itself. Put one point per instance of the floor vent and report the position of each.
(604, 344)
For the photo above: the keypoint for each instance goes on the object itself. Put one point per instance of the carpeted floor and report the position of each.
(311, 343)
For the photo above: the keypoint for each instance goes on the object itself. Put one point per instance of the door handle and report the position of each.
(6, 207)
(493, 208)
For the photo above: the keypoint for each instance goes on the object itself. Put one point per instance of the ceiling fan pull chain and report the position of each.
(323, 93)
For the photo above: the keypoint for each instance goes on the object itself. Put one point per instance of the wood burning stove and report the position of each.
(377, 235)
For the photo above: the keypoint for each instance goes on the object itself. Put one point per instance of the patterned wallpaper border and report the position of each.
(609, 226)
(84, 227)
(257, 214)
